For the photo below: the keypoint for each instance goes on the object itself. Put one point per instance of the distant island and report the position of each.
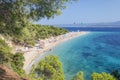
(102, 24)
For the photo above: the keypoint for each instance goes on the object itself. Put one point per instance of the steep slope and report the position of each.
(8, 74)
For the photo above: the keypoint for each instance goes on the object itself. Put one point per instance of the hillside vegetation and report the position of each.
(31, 33)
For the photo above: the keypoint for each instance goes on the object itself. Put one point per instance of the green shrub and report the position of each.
(102, 76)
(17, 63)
(5, 53)
(79, 76)
(50, 68)
(4, 47)
(14, 61)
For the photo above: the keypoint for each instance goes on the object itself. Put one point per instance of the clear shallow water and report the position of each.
(94, 52)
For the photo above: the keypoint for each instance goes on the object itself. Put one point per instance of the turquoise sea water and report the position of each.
(94, 52)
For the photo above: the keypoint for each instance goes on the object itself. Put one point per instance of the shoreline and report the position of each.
(31, 54)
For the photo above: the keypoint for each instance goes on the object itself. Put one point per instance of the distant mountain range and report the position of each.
(108, 24)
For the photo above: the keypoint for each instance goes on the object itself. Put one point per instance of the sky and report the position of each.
(87, 11)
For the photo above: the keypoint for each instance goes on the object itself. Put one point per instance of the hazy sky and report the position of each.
(87, 11)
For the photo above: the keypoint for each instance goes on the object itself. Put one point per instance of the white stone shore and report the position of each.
(31, 54)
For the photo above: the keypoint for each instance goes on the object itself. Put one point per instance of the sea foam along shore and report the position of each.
(32, 53)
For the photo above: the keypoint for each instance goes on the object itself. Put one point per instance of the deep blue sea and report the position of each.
(98, 51)
(103, 29)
